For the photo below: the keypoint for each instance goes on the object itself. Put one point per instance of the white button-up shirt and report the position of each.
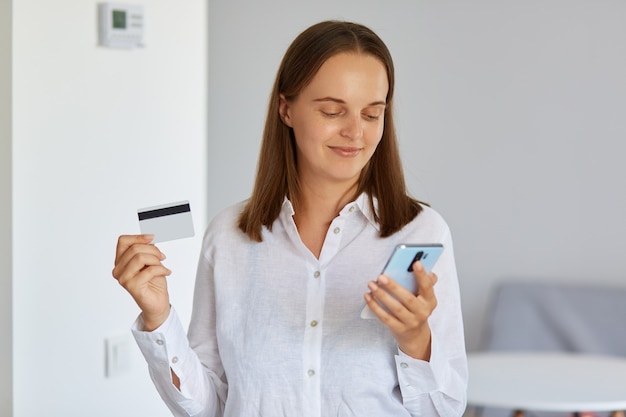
(276, 331)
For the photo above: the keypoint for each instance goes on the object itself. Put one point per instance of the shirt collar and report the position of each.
(362, 204)
(287, 208)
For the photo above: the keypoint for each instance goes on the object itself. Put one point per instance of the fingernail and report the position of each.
(372, 286)
(383, 280)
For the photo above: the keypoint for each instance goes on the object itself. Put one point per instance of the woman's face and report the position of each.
(338, 119)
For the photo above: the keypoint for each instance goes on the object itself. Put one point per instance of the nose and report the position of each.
(352, 127)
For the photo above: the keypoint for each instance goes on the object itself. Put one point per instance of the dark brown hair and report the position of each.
(382, 178)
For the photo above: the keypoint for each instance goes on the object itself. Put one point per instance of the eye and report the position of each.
(371, 117)
(331, 112)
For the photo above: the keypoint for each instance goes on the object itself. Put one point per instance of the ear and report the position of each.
(284, 110)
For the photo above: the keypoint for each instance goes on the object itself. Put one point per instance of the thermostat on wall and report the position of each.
(121, 25)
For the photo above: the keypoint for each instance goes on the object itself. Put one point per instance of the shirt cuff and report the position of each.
(165, 348)
(417, 377)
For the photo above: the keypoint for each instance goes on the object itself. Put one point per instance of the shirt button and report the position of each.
(351, 209)
(159, 342)
(310, 372)
(175, 359)
(316, 274)
(314, 323)
(337, 230)
(404, 365)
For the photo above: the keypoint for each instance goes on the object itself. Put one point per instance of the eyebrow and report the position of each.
(340, 101)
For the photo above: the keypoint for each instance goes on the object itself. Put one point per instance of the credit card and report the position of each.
(166, 222)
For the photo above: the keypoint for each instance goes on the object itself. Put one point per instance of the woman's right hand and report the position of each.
(139, 270)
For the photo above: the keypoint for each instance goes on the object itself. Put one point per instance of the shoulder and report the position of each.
(223, 229)
(429, 224)
(226, 218)
(430, 215)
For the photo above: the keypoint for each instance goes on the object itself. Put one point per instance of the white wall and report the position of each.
(510, 114)
(97, 134)
(6, 295)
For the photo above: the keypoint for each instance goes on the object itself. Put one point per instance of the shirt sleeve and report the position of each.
(167, 350)
(439, 387)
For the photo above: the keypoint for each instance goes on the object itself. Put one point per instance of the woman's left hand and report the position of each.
(405, 314)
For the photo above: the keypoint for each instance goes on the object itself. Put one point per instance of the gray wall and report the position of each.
(510, 114)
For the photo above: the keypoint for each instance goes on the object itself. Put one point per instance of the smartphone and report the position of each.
(399, 266)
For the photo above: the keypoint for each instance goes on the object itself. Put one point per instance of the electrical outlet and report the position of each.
(118, 355)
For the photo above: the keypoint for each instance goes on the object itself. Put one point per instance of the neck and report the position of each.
(324, 201)
(316, 208)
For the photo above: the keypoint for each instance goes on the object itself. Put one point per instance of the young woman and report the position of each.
(282, 277)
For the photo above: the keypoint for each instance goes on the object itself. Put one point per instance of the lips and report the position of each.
(345, 151)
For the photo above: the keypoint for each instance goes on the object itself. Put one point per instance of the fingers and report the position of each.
(133, 254)
(126, 241)
(140, 268)
(134, 283)
(404, 313)
(137, 262)
(399, 303)
(388, 300)
(425, 280)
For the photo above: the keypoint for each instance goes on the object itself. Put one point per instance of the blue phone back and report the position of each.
(399, 266)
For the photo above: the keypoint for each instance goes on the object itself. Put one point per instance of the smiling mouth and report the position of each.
(345, 151)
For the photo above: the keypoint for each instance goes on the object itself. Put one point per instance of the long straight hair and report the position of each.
(277, 175)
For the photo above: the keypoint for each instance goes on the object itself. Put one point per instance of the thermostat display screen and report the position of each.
(120, 25)
(119, 19)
